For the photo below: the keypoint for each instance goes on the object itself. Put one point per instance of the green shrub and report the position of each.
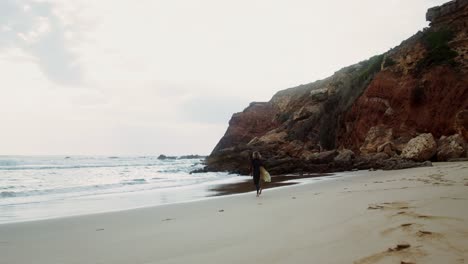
(389, 62)
(283, 117)
(370, 68)
(436, 39)
(438, 50)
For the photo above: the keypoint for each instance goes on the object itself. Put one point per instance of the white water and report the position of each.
(37, 187)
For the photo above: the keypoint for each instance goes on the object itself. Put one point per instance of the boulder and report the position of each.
(323, 157)
(400, 142)
(399, 164)
(376, 136)
(461, 123)
(307, 155)
(293, 148)
(344, 160)
(345, 157)
(387, 148)
(384, 162)
(420, 148)
(452, 147)
(379, 156)
(234, 160)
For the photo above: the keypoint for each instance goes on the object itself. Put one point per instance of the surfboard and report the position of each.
(265, 175)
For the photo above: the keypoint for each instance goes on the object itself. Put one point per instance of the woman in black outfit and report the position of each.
(255, 165)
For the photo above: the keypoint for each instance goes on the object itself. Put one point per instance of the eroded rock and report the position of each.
(377, 137)
(344, 158)
(452, 147)
(420, 148)
(374, 108)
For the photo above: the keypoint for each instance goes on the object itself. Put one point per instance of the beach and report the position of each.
(414, 215)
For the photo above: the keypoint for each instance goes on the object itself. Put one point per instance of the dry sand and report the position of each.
(408, 216)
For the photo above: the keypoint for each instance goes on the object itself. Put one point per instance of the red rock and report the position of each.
(445, 93)
(373, 107)
(254, 121)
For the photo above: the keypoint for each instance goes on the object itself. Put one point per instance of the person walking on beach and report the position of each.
(255, 165)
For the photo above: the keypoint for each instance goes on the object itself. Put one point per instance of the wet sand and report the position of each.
(248, 185)
(416, 215)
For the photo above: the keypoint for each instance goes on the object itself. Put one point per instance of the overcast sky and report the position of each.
(164, 76)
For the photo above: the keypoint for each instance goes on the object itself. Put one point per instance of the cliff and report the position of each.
(365, 115)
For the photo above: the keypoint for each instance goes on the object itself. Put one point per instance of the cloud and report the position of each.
(166, 76)
(36, 28)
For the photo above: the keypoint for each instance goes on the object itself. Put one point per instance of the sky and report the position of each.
(145, 77)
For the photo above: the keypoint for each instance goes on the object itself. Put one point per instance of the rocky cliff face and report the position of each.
(423, 90)
(365, 114)
(253, 122)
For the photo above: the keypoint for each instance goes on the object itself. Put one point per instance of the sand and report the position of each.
(408, 216)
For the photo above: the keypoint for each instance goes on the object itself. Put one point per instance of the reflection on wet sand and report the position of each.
(248, 186)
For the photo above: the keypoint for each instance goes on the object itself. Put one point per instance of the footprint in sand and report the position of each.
(375, 207)
(453, 198)
(428, 217)
(391, 206)
(399, 247)
(406, 227)
(404, 206)
(402, 251)
(424, 233)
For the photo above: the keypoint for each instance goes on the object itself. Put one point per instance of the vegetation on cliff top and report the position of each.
(438, 50)
(370, 68)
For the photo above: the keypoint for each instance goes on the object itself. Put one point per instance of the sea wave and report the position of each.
(134, 181)
(7, 187)
(13, 167)
(8, 163)
(7, 194)
(52, 191)
(78, 190)
(49, 167)
(28, 179)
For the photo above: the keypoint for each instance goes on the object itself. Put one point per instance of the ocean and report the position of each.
(40, 187)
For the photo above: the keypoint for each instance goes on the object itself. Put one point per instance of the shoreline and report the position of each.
(278, 181)
(218, 190)
(339, 220)
(151, 198)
